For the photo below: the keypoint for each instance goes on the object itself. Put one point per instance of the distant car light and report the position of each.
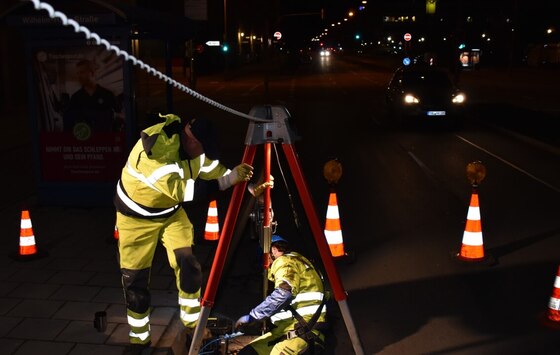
(325, 53)
(410, 99)
(459, 99)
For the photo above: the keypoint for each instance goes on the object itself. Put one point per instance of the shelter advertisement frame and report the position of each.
(81, 115)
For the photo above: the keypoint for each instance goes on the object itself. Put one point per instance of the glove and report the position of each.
(242, 172)
(243, 320)
(259, 189)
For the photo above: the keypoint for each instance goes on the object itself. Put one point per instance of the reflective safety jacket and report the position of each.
(155, 181)
(306, 288)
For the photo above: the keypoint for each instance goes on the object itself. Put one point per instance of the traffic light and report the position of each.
(357, 36)
(225, 48)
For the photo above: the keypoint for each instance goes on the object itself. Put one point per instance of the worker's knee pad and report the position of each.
(190, 274)
(136, 292)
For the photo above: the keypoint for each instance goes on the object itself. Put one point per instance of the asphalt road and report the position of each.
(403, 200)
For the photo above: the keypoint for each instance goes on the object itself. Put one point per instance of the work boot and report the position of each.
(136, 349)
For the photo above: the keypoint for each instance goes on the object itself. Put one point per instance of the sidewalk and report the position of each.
(48, 305)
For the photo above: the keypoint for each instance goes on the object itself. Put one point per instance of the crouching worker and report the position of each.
(158, 178)
(296, 306)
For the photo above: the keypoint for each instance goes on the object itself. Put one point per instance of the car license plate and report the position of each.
(436, 113)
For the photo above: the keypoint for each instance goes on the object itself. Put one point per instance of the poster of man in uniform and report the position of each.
(81, 116)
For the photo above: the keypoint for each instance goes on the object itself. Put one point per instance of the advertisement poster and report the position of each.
(80, 91)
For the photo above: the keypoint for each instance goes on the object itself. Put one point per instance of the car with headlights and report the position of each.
(424, 93)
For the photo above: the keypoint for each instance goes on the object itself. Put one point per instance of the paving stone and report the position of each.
(110, 295)
(34, 290)
(31, 275)
(7, 304)
(38, 329)
(116, 313)
(72, 277)
(35, 308)
(163, 315)
(80, 311)
(84, 332)
(110, 279)
(7, 324)
(43, 347)
(68, 264)
(7, 287)
(9, 346)
(164, 298)
(86, 349)
(76, 293)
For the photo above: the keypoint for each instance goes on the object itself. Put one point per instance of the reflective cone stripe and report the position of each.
(554, 303)
(212, 230)
(26, 237)
(472, 247)
(333, 231)
(116, 233)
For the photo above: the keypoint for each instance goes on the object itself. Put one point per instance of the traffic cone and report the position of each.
(333, 231)
(212, 230)
(553, 313)
(27, 246)
(116, 233)
(472, 248)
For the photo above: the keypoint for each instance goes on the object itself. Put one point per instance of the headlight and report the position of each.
(410, 99)
(459, 99)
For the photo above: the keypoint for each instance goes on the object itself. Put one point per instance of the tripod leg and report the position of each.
(320, 240)
(221, 253)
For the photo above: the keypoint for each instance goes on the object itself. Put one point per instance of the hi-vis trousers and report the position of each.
(138, 239)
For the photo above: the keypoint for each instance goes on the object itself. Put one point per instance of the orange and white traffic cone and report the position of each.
(333, 231)
(553, 313)
(27, 247)
(472, 248)
(212, 229)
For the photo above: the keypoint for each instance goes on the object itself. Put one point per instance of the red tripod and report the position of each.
(275, 131)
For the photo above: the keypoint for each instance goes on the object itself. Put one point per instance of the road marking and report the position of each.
(510, 164)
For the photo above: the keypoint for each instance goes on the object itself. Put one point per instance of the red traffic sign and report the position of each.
(407, 37)
(277, 35)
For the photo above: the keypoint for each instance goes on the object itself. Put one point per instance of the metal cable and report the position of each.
(40, 5)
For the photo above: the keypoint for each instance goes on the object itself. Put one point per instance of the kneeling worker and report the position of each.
(296, 306)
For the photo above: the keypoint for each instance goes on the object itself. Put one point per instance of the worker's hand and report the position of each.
(242, 172)
(243, 320)
(259, 189)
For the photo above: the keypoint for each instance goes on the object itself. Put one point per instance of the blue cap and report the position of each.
(277, 238)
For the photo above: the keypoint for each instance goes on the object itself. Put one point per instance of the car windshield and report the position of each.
(427, 78)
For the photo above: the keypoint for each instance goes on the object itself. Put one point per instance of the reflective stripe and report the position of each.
(26, 241)
(141, 336)
(202, 159)
(141, 177)
(189, 191)
(332, 213)
(133, 206)
(189, 302)
(473, 213)
(228, 171)
(189, 317)
(308, 296)
(138, 322)
(209, 168)
(25, 223)
(333, 237)
(303, 311)
(166, 170)
(557, 282)
(470, 238)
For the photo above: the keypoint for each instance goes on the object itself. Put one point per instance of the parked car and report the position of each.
(426, 94)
